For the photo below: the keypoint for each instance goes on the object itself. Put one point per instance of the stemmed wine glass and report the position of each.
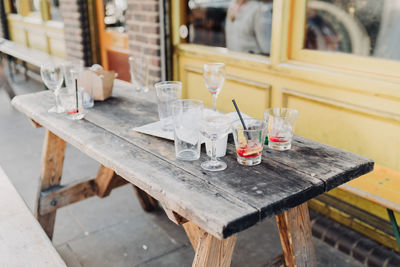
(53, 76)
(214, 78)
(215, 127)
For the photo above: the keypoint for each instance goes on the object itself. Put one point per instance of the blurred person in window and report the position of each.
(320, 35)
(248, 26)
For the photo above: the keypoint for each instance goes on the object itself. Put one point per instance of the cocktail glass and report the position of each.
(215, 127)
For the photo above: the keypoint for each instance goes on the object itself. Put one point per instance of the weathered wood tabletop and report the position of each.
(221, 203)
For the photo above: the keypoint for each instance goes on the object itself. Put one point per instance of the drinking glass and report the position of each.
(214, 78)
(280, 127)
(72, 102)
(139, 72)
(187, 117)
(167, 92)
(215, 127)
(249, 143)
(75, 66)
(52, 76)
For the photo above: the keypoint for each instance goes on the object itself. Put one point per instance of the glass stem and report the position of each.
(213, 150)
(56, 94)
(214, 97)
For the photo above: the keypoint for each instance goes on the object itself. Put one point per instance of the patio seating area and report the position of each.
(115, 231)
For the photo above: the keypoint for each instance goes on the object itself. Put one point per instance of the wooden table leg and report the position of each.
(5, 83)
(296, 237)
(210, 251)
(52, 166)
(147, 202)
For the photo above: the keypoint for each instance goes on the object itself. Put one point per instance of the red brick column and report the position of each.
(143, 28)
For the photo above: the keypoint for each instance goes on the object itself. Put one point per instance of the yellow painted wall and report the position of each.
(47, 36)
(352, 104)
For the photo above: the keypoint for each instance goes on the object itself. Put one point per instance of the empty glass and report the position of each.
(214, 78)
(139, 72)
(73, 65)
(249, 143)
(187, 117)
(281, 123)
(72, 102)
(52, 76)
(167, 92)
(215, 127)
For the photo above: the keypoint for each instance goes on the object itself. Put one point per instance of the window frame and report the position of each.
(344, 61)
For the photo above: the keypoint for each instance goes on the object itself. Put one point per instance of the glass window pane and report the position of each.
(114, 11)
(360, 27)
(239, 25)
(55, 11)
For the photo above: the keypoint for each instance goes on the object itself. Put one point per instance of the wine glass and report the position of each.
(215, 127)
(52, 76)
(214, 78)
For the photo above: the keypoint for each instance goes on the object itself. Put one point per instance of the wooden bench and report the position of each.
(381, 186)
(22, 240)
(12, 51)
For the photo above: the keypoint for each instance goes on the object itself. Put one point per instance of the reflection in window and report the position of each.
(366, 28)
(55, 12)
(239, 25)
(114, 11)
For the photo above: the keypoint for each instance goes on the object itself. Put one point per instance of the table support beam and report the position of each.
(52, 166)
(210, 251)
(296, 237)
(147, 202)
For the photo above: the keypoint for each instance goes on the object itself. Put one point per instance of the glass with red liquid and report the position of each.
(281, 123)
(249, 143)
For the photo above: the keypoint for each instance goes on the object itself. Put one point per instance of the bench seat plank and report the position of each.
(29, 55)
(22, 240)
(382, 186)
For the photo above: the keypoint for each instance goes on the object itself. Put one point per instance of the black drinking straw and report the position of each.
(76, 94)
(240, 115)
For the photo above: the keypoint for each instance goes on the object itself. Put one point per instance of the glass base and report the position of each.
(249, 161)
(214, 166)
(188, 155)
(56, 110)
(281, 146)
(76, 116)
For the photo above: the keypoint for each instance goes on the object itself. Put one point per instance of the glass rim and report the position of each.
(197, 101)
(214, 64)
(295, 111)
(164, 83)
(253, 130)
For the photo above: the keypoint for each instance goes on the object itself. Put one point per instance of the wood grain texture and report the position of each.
(23, 242)
(103, 181)
(212, 252)
(281, 182)
(174, 217)
(51, 171)
(153, 175)
(296, 237)
(193, 233)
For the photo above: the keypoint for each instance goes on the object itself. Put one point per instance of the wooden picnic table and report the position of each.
(212, 207)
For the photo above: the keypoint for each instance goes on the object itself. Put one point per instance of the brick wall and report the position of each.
(76, 30)
(143, 28)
